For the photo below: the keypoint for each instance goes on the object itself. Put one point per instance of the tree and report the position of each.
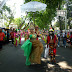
(7, 17)
(44, 19)
(17, 21)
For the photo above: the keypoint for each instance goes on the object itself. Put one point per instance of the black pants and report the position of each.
(12, 40)
(1, 43)
(8, 40)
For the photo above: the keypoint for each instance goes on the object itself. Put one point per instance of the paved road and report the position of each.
(12, 60)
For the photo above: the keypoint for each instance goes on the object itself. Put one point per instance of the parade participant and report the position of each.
(52, 43)
(37, 31)
(5, 35)
(68, 37)
(12, 36)
(16, 38)
(71, 39)
(20, 34)
(2, 36)
(32, 48)
(26, 35)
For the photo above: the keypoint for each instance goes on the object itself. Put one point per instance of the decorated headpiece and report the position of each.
(51, 30)
(36, 26)
(31, 26)
(16, 29)
(7, 27)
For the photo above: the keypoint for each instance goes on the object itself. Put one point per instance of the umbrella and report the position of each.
(33, 6)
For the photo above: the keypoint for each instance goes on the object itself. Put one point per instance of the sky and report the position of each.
(15, 7)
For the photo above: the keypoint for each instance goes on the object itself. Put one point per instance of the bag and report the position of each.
(46, 52)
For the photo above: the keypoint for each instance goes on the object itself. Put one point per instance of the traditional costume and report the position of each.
(26, 35)
(20, 35)
(37, 31)
(33, 49)
(16, 39)
(68, 37)
(2, 35)
(51, 41)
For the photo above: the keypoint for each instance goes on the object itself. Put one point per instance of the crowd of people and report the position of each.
(64, 39)
(32, 47)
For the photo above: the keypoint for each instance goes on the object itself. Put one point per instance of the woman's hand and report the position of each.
(55, 45)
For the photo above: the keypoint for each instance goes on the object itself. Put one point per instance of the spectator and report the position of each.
(71, 39)
(2, 36)
(8, 35)
(58, 35)
(64, 39)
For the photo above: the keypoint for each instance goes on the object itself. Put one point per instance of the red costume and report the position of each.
(52, 48)
(71, 39)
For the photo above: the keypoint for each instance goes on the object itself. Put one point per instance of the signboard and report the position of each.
(61, 13)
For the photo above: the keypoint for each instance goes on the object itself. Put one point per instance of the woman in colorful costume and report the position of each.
(26, 35)
(37, 31)
(20, 35)
(52, 42)
(16, 38)
(32, 48)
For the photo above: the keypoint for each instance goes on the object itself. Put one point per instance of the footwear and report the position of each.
(65, 46)
(0, 49)
(54, 61)
(58, 46)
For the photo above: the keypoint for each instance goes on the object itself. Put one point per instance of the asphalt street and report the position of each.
(12, 60)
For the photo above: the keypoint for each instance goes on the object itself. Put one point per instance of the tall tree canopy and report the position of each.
(44, 19)
(7, 14)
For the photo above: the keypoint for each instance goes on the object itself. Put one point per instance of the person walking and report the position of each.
(2, 37)
(64, 39)
(71, 39)
(52, 43)
(58, 35)
(12, 36)
(33, 48)
(8, 36)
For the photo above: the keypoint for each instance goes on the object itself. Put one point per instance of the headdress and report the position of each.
(31, 26)
(36, 26)
(51, 30)
(7, 27)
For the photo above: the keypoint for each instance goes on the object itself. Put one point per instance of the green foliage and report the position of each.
(6, 24)
(18, 21)
(44, 19)
(5, 8)
(57, 24)
(9, 18)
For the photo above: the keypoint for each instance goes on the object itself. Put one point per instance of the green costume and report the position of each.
(32, 50)
(27, 47)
